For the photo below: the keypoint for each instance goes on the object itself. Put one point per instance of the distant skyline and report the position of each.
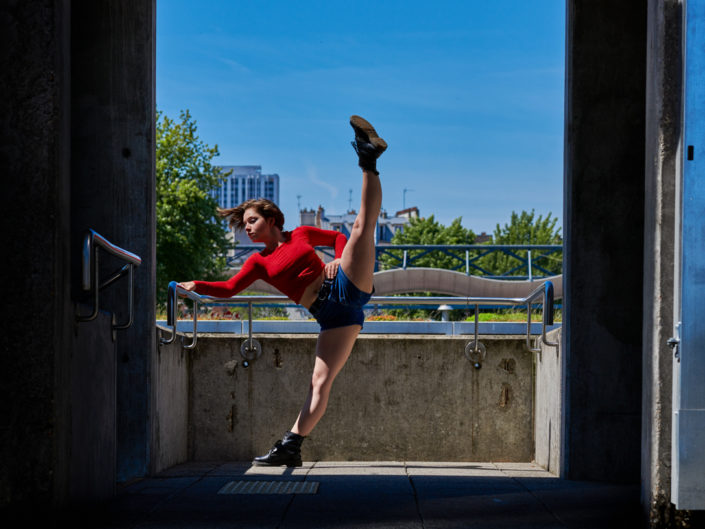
(469, 96)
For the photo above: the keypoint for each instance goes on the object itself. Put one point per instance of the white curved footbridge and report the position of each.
(445, 282)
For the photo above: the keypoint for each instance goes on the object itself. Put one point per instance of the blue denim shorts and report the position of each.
(339, 303)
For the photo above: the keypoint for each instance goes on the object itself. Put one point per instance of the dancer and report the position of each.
(334, 293)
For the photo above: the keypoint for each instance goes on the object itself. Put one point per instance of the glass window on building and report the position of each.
(252, 188)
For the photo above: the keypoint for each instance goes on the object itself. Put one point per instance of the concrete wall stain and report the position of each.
(508, 365)
(505, 397)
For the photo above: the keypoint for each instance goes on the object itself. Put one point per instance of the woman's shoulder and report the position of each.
(298, 233)
(304, 231)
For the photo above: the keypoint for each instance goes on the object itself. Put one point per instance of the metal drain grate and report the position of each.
(269, 487)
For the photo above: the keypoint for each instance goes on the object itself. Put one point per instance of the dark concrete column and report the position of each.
(113, 186)
(38, 312)
(604, 226)
(663, 137)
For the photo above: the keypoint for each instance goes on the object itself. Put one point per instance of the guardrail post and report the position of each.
(171, 302)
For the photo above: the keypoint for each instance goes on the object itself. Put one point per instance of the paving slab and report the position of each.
(375, 495)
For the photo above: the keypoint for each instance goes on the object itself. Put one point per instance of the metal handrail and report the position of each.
(90, 280)
(460, 253)
(544, 291)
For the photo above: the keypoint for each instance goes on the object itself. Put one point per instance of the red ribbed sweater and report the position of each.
(290, 267)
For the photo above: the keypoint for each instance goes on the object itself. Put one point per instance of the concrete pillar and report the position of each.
(38, 323)
(113, 185)
(78, 152)
(604, 226)
(663, 137)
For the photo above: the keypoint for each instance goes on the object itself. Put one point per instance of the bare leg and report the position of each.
(358, 259)
(332, 351)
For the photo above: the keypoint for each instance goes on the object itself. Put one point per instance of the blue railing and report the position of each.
(532, 259)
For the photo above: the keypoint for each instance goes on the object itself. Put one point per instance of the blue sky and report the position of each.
(468, 95)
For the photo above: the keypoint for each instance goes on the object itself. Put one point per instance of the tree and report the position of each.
(430, 231)
(525, 228)
(191, 241)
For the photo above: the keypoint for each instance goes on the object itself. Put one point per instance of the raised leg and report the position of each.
(358, 259)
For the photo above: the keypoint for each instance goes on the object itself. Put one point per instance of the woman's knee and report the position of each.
(321, 382)
(359, 224)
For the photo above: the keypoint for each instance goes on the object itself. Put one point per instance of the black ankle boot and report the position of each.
(284, 452)
(368, 145)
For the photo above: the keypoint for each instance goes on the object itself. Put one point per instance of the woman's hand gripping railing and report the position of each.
(90, 280)
(173, 292)
(250, 348)
(545, 291)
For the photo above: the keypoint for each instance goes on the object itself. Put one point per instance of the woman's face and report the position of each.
(257, 227)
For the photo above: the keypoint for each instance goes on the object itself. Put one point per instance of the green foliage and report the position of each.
(428, 231)
(190, 237)
(525, 228)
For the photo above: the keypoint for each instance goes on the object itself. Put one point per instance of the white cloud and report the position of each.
(312, 174)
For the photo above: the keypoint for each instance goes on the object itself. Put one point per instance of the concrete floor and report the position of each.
(372, 495)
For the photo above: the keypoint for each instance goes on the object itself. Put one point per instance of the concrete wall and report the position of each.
(34, 154)
(170, 405)
(77, 150)
(397, 398)
(663, 144)
(113, 180)
(92, 411)
(604, 227)
(548, 418)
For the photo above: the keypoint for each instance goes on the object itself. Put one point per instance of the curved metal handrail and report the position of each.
(544, 291)
(90, 280)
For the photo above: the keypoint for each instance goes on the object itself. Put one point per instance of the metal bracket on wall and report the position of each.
(674, 341)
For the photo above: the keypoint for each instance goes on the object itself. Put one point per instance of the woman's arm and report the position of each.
(318, 237)
(249, 272)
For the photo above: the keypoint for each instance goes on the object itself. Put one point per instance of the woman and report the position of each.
(334, 293)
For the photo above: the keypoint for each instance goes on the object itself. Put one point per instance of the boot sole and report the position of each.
(359, 123)
(260, 464)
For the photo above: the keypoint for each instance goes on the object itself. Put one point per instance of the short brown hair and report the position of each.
(264, 207)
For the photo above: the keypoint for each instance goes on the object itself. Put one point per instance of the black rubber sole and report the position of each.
(263, 464)
(363, 128)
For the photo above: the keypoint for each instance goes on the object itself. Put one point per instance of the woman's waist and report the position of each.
(310, 293)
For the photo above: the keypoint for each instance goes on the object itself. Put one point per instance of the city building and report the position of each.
(245, 182)
(410, 213)
(387, 226)
(483, 238)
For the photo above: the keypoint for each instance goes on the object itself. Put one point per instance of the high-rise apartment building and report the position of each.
(246, 182)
